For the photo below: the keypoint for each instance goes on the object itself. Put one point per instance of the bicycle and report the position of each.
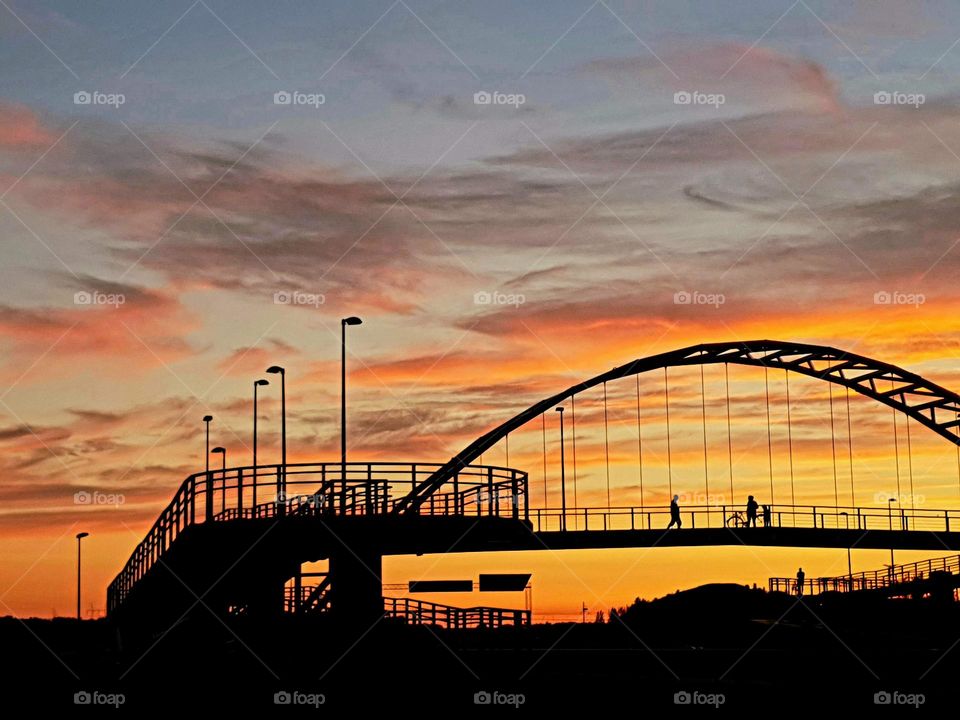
(737, 519)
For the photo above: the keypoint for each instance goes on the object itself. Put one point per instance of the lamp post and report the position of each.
(221, 451)
(223, 476)
(282, 475)
(256, 384)
(890, 502)
(849, 562)
(80, 536)
(208, 481)
(343, 404)
(206, 420)
(563, 477)
(343, 390)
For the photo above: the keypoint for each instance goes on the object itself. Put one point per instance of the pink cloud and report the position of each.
(20, 128)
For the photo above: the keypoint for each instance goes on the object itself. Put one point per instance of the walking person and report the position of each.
(767, 521)
(675, 513)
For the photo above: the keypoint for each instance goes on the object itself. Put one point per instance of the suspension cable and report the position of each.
(543, 419)
(573, 416)
(606, 442)
(766, 383)
(726, 372)
(910, 462)
(793, 496)
(703, 415)
(853, 497)
(640, 442)
(833, 444)
(506, 440)
(666, 403)
(958, 450)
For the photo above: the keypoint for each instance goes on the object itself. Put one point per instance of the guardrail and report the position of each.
(422, 612)
(870, 579)
(314, 489)
(729, 516)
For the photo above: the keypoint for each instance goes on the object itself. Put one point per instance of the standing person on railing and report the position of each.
(675, 513)
(801, 576)
(752, 506)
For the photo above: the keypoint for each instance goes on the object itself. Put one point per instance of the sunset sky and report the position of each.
(813, 176)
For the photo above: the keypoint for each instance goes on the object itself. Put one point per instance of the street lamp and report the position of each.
(563, 478)
(221, 451)
(343, 389)
(890, 502)
(849, 562)
(206, 420)
(343, 404)
(282, 475)
(80, 536)
(256, 384)
(223, 476)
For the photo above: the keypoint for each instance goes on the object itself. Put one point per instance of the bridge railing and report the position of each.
(363, 489)
(422, 612)
(269, 491)
(729, 516)
(871, 579)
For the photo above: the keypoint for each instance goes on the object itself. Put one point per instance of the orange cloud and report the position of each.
(146, 327)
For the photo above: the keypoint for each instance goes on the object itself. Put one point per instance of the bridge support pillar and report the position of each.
(266, 600)
(356, 586)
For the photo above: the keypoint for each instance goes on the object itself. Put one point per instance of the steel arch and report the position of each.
(926, 402)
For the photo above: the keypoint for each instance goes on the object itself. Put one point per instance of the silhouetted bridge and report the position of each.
(916, 579)
(234, 540)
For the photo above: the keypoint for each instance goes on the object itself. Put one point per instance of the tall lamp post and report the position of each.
(223, 466)
(282, 475)
(206, 421)
(846, 517)
(223, 476)
(890, 502)
(563, 477)
(343, 403)
(343, 388)
(80, 536)
(256, 384)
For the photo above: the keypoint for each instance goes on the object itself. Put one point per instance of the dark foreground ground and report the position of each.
(715, 647)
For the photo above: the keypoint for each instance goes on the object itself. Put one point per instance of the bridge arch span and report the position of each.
(930, 404)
